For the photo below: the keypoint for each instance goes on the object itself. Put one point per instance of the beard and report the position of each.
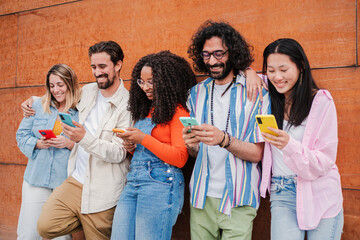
(226, 69)
(108, 83)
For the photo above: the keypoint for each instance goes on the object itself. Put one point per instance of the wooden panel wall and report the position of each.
(37, 34)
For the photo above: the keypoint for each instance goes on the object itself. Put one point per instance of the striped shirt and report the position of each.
(242, 177)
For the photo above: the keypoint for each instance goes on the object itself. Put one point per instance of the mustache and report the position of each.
(102, 75)
(215, 65)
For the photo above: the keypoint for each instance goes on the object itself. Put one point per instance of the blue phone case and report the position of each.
(66, 118)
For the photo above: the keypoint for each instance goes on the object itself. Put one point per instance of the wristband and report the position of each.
(227, 145)
(222, 141)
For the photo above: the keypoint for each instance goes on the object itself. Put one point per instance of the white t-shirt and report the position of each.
(91, 124)
(217, 155)
(279, 168)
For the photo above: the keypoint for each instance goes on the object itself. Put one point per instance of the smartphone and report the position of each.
(47, 133)
(66, 118)
(120, 130)
(188, 121)
(265, 121)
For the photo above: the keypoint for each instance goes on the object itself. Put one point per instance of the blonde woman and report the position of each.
(47, 158)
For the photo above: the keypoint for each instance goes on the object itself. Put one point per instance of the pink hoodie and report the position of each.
(318, 188)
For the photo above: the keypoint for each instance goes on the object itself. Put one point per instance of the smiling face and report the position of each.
(147, 79)
(103, 69)
(58, 89)
(218, 69)
(282, 73)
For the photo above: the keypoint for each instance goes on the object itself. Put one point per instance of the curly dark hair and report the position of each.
(240, 52)
(172, 80)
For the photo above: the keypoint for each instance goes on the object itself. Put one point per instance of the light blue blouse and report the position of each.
(46, 167)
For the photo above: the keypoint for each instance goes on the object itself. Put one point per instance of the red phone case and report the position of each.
(47, 133)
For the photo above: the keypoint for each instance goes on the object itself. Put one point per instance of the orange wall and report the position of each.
(37, 34)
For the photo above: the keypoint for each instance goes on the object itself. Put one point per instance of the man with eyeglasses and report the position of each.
(224, 186)
(97, 165)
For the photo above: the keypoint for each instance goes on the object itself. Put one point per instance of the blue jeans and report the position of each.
(150, 203)
(284, 223)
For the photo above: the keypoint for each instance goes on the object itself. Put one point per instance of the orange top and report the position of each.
(166, 142)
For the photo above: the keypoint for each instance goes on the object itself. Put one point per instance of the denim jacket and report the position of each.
(46, 167)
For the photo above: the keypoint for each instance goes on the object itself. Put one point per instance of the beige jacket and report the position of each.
(107, 168)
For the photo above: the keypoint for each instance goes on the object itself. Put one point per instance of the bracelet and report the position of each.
(222, 141)
(227, 145)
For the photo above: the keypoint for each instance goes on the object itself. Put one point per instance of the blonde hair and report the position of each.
(73, 92)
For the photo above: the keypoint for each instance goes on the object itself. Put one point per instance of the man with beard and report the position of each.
(224, 186)
(97, 165)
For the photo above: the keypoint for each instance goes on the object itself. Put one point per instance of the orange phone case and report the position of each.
(120, 130)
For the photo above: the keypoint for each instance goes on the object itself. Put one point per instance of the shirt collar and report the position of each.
(116, 99)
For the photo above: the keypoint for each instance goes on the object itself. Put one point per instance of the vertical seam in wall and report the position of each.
(356, 30)
(17, 48)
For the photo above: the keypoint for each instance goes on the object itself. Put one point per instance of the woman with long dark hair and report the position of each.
(299, 168)
(153, 196)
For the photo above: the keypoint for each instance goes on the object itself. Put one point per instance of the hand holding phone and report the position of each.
(265, 121)
(47, 133)
(66, 118)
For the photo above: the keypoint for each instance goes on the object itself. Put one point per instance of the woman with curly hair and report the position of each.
(154, 194)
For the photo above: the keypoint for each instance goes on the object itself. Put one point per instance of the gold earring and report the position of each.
(301, 77)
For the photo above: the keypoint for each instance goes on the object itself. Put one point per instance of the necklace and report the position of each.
(212, 104)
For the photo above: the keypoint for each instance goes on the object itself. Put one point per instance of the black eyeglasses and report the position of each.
(218, 54)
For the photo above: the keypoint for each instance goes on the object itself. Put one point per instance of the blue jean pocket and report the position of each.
(40, 122)
(162, 175)
(274, 188)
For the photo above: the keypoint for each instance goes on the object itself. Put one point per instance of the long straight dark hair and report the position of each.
(304, 90)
